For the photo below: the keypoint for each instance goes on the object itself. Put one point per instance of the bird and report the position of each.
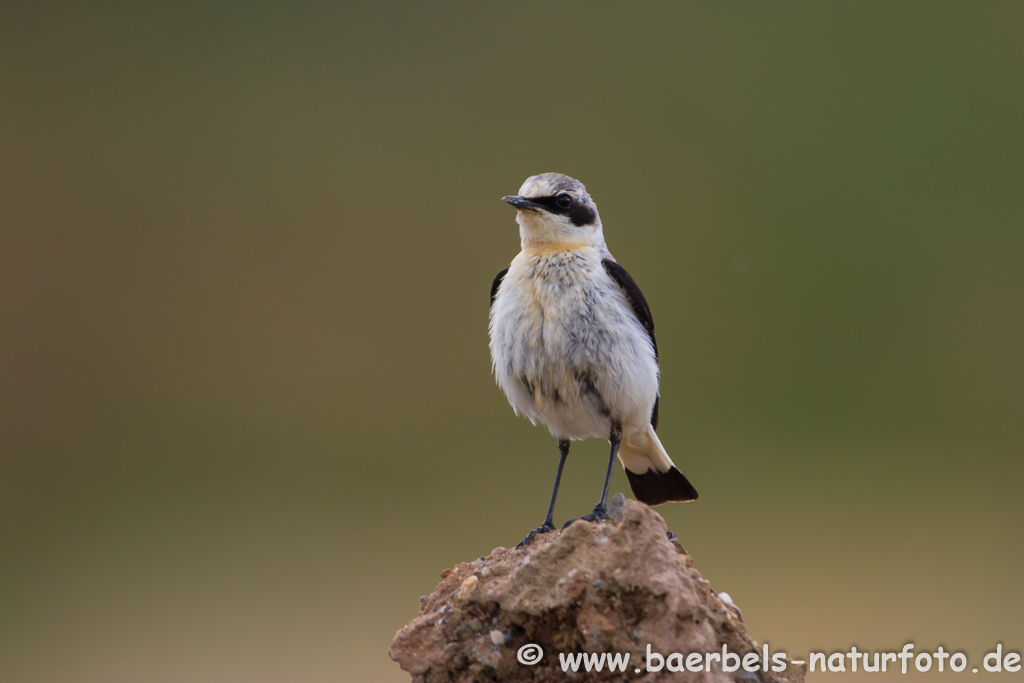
(573, 347)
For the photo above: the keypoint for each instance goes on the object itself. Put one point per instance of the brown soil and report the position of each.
(613, 587)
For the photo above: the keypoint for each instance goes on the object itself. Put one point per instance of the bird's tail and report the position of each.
(652, 476)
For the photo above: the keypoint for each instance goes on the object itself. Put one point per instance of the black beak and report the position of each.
(522, 203)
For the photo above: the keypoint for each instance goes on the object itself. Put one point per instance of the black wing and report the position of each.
(640, 308)
(496, 284)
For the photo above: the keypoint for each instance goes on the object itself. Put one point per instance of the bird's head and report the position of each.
(555, 210)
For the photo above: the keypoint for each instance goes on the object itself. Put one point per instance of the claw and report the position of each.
(599, 514)
(542, 529)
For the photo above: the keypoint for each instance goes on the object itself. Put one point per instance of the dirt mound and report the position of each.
(612, 587)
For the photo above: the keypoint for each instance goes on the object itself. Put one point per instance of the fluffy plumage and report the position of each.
(572, 337)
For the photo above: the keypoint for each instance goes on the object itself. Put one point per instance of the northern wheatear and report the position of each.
(572, 342)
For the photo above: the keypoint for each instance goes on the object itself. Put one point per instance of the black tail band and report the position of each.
(654, 487)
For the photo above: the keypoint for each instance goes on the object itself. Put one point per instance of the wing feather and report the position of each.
(640, 307)
(496, 284)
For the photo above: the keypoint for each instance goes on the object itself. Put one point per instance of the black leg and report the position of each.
(601, 509)
(615, 438)
(549, 525)
(563, 453)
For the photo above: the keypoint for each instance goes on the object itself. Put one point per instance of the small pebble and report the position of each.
(497, 637)
(526, 560)
(726, 598)
(602, 540)
(467, 587)
(486, 571)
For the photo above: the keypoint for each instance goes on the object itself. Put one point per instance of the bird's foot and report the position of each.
(599, 514)
(542, 529)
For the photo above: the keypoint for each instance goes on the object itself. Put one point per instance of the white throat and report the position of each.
(547, 232)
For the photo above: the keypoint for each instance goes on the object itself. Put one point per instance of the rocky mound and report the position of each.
(611, 588)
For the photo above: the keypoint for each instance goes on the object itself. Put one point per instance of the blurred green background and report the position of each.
(246, 410)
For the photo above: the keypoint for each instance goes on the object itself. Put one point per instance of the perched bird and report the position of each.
(572, 343)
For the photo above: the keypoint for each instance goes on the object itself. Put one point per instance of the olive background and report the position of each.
(246, 410)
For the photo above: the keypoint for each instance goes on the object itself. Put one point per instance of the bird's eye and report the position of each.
(563, 201)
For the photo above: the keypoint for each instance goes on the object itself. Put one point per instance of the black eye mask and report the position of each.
(580, 213)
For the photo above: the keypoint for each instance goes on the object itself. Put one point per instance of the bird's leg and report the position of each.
(601, 509)
(549, 525)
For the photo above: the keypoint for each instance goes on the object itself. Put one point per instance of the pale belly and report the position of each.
(567, 348)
